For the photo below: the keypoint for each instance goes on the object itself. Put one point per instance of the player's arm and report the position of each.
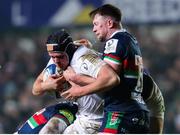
(82, 80)
(84, 42)
(78, 79)
(156, 125)
(115, 67)
(106, 79)
(37, 88)
(156, 106)
(53, 83)
(155, 102)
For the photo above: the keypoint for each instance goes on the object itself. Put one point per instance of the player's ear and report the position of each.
(110, 23)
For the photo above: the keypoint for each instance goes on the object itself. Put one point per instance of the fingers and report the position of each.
(70, 69)
(61, 79)
(54, 76)
(72, 83)
(69, 73)
(85, 42)
(67, 95)
(80, 41)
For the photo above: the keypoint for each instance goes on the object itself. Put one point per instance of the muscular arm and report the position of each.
(53, 83)
(82, 80)
(115, 67)
(78, 79)
(105, 80)
(156, 106)
(37, 88)
(154, 99)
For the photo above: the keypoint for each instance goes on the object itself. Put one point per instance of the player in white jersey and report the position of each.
(84, 61)
(155, 102)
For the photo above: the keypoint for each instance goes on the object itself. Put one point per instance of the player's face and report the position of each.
(100, 27)
(60, 59)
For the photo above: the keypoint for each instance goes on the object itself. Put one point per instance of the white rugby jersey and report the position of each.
(86, 61)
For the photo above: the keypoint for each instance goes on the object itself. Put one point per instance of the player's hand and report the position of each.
(69, 74)
(73, 93)
(84, 42)
(53, 83)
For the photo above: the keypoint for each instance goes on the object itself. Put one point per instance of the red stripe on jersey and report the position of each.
(108, 130)
(130, 65)
(40, 119)
(112, 56)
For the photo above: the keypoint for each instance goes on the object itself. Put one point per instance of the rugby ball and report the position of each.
(50, 70)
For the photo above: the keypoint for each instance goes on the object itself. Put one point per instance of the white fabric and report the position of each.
(90, 107)
(54, 126)
(82, 127)
(156, 102)
(86, 61)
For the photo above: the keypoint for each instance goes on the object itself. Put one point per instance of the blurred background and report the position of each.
(25, 25)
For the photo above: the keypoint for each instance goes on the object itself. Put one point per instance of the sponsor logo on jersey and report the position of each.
(114, 119)
(84, 67)
(110, 46)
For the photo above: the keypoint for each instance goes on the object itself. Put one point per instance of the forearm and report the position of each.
(99, 87)
(82, 80)
(106, 80)
(37, 89)
(39, 86)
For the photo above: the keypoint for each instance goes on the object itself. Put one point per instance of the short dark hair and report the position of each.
(107, 10)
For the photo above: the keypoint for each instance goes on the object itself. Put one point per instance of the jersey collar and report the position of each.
(121, 30)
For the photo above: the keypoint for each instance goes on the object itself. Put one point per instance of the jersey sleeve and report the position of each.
(114, 51)
(87, 62)
(90, 65)
(156, 102)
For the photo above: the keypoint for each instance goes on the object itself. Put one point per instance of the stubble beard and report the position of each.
(101, 39)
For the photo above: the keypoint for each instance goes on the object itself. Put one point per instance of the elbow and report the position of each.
(37, 89)
(35, 93)
(116, 80)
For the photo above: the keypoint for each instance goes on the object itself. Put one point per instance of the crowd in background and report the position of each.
(23, 56)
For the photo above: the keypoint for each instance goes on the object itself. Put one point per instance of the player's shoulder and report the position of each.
(119, 37)
(50, 62)
(82, 50)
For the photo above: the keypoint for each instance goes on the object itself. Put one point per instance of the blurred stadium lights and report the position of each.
(33, 13)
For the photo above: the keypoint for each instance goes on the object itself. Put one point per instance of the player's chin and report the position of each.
(101, 39)
(63, 66)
